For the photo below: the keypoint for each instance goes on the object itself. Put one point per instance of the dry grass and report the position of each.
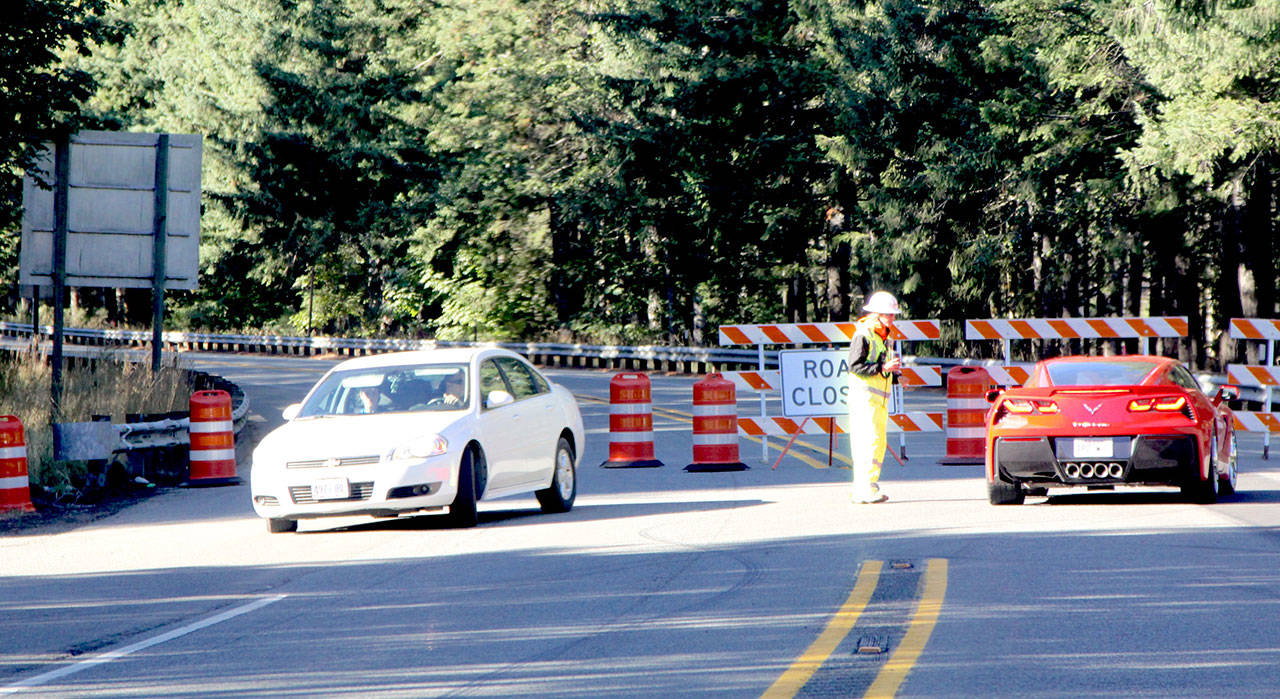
(103, 387)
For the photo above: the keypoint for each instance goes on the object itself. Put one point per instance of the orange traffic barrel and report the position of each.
(630, 423)
(15, 488)
(715, 426)
(967, 406)
(213, 439)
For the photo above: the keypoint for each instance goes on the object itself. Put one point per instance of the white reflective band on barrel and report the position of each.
(213, 454)
(630, 408)
(13, 452)
(707, 438)
(215, 426)
(13, 482)
(966, 432)
(715, 410)
(979, 404)
(631, 437)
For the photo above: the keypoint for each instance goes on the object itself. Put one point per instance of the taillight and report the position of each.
(1164, 404)
(1023, 406)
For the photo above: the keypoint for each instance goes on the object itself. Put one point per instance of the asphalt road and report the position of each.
(660, 582)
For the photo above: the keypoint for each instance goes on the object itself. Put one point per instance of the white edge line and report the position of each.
(140, 645)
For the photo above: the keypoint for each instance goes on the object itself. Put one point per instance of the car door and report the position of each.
(501, 431)
(538, 414)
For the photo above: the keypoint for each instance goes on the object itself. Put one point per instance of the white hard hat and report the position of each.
(881, 302)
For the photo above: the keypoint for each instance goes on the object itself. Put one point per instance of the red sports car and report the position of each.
(1100, 422)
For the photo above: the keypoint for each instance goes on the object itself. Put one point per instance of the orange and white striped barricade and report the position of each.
(1247, 421)
(814, 333)
(762, 334)
(910, 421)
(967, 405)
(212, 439)
(630, 423)
(715, 426)
(1266, 376)
(15, 487)
(912, 376)
(1075, 329)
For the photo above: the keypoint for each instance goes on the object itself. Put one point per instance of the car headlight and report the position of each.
(421, 448)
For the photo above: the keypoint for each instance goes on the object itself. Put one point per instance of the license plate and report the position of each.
(331, 489)
(1092, 449)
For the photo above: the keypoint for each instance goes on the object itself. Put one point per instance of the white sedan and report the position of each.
(429, 431)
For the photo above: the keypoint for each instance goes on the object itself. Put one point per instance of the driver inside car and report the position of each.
(453, 391)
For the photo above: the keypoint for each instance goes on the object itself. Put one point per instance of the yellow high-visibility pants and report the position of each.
(868, 423)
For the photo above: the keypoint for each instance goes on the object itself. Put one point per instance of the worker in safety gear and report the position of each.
(872, 364)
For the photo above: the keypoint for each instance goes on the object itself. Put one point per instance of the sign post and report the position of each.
(61, 197)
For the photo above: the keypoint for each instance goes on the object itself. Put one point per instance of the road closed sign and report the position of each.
(815, 383)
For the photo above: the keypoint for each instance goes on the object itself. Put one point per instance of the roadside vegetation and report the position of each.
(641, 171)
(102, 387)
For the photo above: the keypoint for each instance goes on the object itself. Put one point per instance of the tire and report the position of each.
(282, 526)
(564, 482)
(462, 511)
(1001, 492)
(1227, 481)
(1205, 492)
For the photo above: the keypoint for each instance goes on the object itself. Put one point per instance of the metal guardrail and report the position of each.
(90, 441)
(562, 354)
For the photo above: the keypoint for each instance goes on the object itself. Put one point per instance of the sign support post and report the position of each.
(160, 228)
(61, 196)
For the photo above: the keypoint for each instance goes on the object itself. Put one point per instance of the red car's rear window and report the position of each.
(1118, 373)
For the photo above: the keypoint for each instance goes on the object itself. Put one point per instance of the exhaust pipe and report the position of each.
(1086, 470)
(1071, 470)
(1116, 470)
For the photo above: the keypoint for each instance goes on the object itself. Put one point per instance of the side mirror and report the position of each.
(1228, 392)
(497, 399)
(994, 394)
(291, 412)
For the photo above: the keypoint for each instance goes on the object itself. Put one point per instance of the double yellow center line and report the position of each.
(904, 657)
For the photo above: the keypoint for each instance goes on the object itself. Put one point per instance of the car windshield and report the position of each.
(392, 389)
(1119, 373)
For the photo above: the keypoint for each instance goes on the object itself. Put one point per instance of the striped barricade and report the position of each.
(1009, 375)
(1254, 329)
(915, 421)
(1257, 422)
(1075, 328)
(1264, 376)
(1253, 375)
(771, 379)
(807, 333)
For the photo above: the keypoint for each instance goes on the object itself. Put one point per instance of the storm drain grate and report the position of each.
(872, 644)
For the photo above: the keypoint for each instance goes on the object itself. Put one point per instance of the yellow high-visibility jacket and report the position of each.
(868, 351)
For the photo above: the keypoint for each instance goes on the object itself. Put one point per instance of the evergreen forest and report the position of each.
(642, 171)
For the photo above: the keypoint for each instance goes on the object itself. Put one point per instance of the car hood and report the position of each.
(352, 435)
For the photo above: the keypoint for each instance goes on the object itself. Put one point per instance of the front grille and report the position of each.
(302, 493)
(325, 463)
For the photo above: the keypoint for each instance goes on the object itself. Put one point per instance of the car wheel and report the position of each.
(1001, 492)
(282, 526)
(462, 511)
(1227, 482)
(1205, 491)
(564, 483)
